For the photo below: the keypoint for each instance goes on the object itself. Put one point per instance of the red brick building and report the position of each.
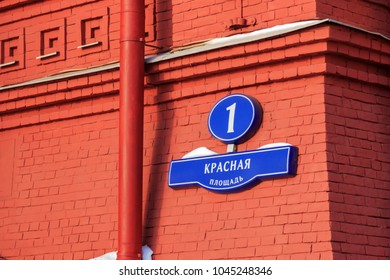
(319, 70)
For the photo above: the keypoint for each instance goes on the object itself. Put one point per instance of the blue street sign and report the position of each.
(233, 171)
(235, 118)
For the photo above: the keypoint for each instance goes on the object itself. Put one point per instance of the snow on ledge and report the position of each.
(274, 145)
(199, 152)
(243, 38)
(237, 39)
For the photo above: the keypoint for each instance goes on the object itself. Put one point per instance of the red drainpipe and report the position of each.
(131, 101)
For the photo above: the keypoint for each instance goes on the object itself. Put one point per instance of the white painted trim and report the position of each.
(89, 45)
(8, 64)
(47, 55)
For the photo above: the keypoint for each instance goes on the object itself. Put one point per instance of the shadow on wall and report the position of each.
(162, 132)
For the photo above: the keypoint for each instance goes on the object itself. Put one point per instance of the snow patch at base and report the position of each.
(146, 255)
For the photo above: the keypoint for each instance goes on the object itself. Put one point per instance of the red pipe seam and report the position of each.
(131, 102)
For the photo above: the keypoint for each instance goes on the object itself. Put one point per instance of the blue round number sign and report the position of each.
(235, 118)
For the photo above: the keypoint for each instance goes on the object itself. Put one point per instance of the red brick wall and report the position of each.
(287, 218)
(372, 15)
(359, 164)
(282, 219)
(182, 22)
(63, 200)
(358, 128)
(322, 89)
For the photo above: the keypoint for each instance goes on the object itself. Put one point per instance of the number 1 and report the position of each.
(232, 111)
